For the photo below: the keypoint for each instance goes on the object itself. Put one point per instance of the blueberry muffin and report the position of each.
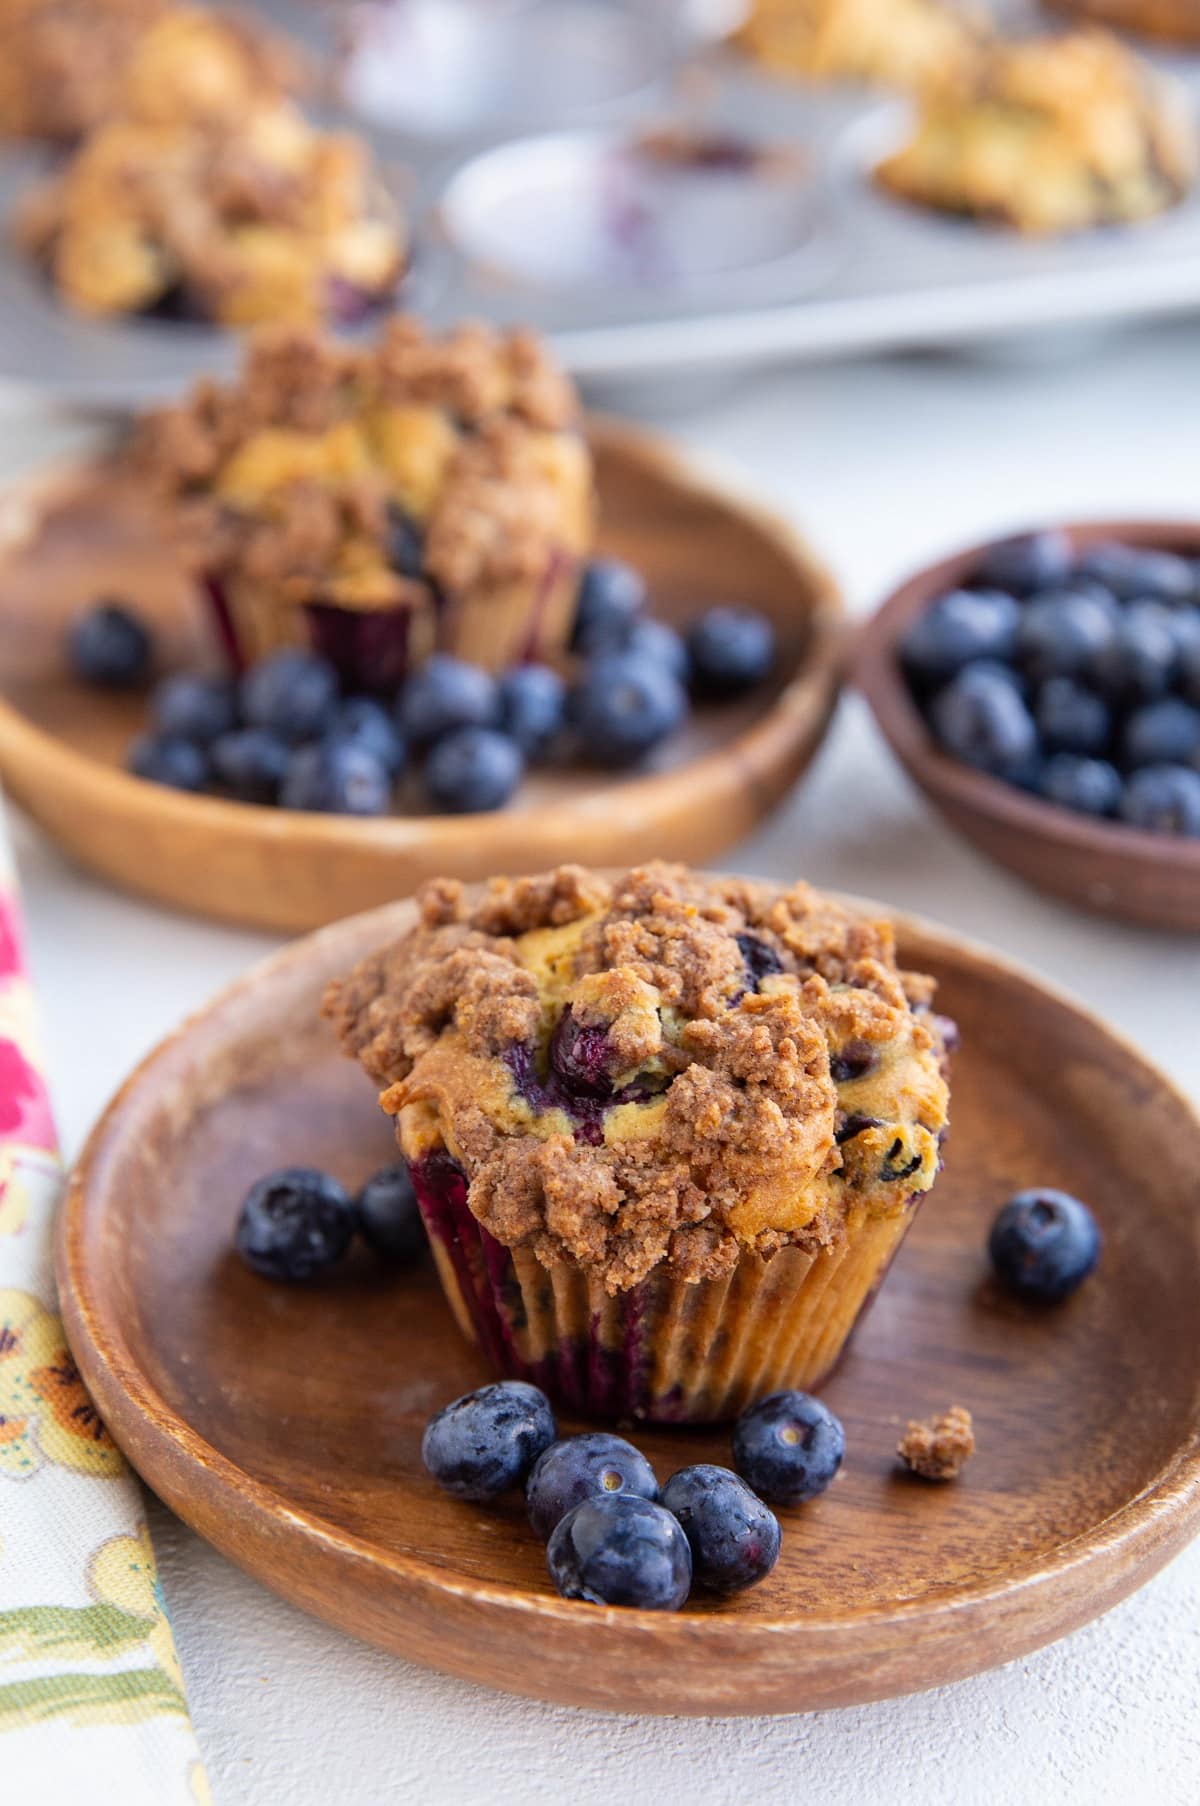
(1050, 135)
(1176, 21)
(890, 43)
(427, 493)
(666, 1131)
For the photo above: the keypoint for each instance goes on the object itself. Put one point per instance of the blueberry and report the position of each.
(1164, 799)
(1162, 733)
(446, 693)
(959, 628)
(194, 708)
(111, 647)
(581, 1055)
(1187, 629)
(1027, 562)
(611, 596)
(336, 777)
(1139, 665)
(585, 1467)
(980, 717)
(1043, 1244)
(624, 707)
(788, 1447)
(733, 1536)
(388, 1215)
(759, 957)
(1131, 571)
(472, 770)
(656, 641)
(1063, 634)
(1089, 786)
(295, 1224)
(290, 693)
(533, 703)
(1071, 718)
(405, 543)
(367, 723)
(731, 650)
(250, 764)
(487, 1441)
(179, 764)
(621, 1550)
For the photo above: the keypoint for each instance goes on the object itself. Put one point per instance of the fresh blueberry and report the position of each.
(1162, 733)
(788, 1447)
(611, 596)
(1071, 718)
(110, 647)
(291, 693)
(980, 717)
(1165, 799)
(388, 1215)
(621, 1550)
(443, 694)
(959, 628)
(1043, 1244)
(179, 764)
(250, 764)
(585, 1467)
(623, 707)
(1188, 640)
(733, 1536)
(194, 708)
(405, 543)
(1027, 562)
(730, 650)
(1089, 786)
(295, 1224)
(1140, 663)
(1132, 571)
(336, 777)
(658, 642)
(487, 1441)
(533, 702)
(473, 770)
(1064, 634)
(367, 723)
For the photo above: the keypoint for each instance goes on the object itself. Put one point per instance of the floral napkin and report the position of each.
(91, 1695)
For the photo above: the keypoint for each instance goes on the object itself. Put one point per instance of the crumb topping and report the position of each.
(937, 1448)
(905, 43)
(62, 62)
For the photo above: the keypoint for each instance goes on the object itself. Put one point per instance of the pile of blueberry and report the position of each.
(285, 734)
(297, 1224)
(612, 1536)
(1073, 676)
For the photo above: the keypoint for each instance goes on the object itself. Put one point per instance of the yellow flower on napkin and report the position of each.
(45, 1411)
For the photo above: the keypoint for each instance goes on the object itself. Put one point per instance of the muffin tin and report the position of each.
(525, 208)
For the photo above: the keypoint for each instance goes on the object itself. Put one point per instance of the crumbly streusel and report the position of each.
(937, 1448)
(899, 43)
(1178, 21)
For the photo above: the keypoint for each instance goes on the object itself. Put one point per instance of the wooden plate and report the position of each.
(285, 1425)
(1103, 866)
(71, 537)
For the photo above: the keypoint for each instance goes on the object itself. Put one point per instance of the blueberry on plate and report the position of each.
(336, 777)
(1064, 634)
(955, 631)
(1162, 733)
(623, 707)
(1187, 628)
(730, 650)
(194, 708)
(788, 1447)
(388, 1215)
(111, 647)
(982, 719)
(295, 1224)
(1132, 571)
(179, 764)
(585, 1467)
(733, 1536)
(473, 770)
(364, 722)
(1027, 562)
(611, 596)
(1165, 799)
(1043, 1244)
(487, 1441)
(250, 764)
(1088, 786)
(661, 644)
(1071, 718)
(621, 1550)
(533, 704)
(291, 693)
(443, 694)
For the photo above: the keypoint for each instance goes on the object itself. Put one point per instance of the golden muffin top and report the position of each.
(891, 43)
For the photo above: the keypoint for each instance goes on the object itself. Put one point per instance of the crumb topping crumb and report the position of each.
(937, 1448)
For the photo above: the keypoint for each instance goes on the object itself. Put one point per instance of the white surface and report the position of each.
(884, 464)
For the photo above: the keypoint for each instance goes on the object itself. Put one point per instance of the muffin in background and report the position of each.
(1175, 21)
(886, 43)
(667, 1132)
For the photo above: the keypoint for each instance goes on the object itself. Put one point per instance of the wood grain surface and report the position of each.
(284, 1424)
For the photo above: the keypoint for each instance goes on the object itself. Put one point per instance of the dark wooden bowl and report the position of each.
(72, 534)
(1103, 866)
(284, 1423)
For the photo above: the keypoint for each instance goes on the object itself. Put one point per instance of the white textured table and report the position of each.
(883, 464)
